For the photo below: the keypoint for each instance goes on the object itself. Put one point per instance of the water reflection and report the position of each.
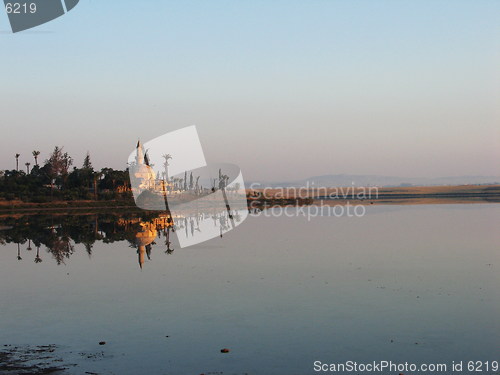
(58, 234)
(148, 233)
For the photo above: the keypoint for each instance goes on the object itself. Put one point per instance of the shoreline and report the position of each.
(462, 194)
(458, 193)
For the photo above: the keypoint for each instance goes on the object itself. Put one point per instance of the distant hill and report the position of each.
(389, 181)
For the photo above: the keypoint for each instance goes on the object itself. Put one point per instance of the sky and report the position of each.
(285, 89)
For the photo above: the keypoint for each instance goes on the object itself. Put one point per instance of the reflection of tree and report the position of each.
(167, 236)
(60, 247)
(59, 235)
(37, 257)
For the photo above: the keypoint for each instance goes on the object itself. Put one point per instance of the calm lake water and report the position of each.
(413, 284)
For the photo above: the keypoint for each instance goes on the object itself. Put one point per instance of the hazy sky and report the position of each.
(285, 89)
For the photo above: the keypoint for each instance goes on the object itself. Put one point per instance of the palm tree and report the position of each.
(17, 161)
(166, 164)
(27, 167)
(35, 155)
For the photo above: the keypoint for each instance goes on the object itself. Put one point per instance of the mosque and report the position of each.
(145, 177)
(144, 174)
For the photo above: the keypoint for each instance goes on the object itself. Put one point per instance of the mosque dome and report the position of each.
(143, 172)
(146, 236)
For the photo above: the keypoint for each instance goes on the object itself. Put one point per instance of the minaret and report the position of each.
(140, 154)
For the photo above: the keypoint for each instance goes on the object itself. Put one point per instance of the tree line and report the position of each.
(55, 180)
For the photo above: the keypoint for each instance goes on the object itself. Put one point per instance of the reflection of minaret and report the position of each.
(143, 239)
(141, 251)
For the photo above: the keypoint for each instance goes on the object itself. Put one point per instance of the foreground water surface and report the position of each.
(403, 283)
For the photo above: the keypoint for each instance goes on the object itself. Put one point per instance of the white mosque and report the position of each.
(144, 176)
